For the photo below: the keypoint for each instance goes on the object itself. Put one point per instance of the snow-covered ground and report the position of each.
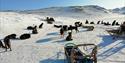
(48, 47)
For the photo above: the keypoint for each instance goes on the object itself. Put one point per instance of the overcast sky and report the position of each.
(37, 4)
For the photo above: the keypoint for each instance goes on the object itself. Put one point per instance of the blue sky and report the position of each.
(37, 4)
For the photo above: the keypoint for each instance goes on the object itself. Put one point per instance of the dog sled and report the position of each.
(75, 54)
(120, 32)
(115, 33)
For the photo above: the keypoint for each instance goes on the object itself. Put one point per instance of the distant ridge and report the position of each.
(119, 10)
(86, 10)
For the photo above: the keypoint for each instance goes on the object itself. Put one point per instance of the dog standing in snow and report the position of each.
(7, 43)
(62, 32)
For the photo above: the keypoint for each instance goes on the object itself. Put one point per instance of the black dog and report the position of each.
(12, 36)
(34, 31)
(58, 26)
(30, 28)
(69, 37)
(25, 36)
(78, 24)
(73, 28)
(1, 44)
(40, 26)
(7, 43)
(65, 27)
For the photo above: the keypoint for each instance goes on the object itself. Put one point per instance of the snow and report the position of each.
(48, 47)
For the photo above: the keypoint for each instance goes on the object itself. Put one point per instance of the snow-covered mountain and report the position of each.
(84, 10)
(77, 12)
(119, 10)
(69, 10)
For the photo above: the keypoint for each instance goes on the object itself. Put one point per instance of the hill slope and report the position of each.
(84, 10)
(119, 10)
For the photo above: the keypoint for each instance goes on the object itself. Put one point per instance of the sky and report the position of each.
(38, 4)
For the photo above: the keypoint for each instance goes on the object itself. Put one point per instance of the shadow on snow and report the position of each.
(107, 40)
(44, 40)
(54, 59)
(53, 33)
